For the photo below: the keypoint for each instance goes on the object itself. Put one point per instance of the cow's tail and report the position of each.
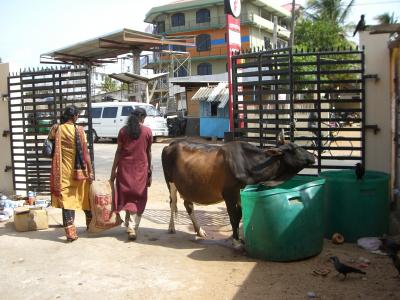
(167, 160)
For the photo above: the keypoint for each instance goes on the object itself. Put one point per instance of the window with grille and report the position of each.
(178, 19)
(204, 69)
(203, 16)
(203, 42)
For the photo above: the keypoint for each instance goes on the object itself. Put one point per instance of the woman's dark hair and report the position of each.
(69, 113)
(133, 126)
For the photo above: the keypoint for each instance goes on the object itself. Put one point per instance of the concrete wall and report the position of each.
(378, 105)
(6, 184)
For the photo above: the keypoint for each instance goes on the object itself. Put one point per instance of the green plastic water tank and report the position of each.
(284, 223)
(356, 208)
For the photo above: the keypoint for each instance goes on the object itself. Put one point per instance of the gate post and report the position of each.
(6, 172)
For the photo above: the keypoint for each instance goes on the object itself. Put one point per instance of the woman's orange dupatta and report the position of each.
(80, 170)
(55, 176)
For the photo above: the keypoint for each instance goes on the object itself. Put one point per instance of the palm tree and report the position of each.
(386, 18)
(335, 11)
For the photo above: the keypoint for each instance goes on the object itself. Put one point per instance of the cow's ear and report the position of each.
(274, 152)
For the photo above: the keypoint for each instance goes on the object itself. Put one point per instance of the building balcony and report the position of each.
(220, 22)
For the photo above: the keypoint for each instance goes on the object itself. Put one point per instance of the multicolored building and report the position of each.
(201, 65)
(204, 20)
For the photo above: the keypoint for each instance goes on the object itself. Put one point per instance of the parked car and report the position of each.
(109, 117)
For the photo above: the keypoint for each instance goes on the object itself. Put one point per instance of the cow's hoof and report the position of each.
(201, 233)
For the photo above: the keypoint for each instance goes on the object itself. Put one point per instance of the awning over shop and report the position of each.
(219, 93)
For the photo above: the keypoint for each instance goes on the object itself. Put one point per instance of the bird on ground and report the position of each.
(389, 246)
(396, 261)
(344, 269)
(360, 26)
(360, 171)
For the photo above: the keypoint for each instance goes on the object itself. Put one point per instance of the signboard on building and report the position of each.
(232, 10)
(233, 7)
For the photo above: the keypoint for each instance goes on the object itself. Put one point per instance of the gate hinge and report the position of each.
(6, 132)
(372, 76)
(374, 127)
(7, 168)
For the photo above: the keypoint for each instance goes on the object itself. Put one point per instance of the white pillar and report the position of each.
(6, 183)
(378, 104)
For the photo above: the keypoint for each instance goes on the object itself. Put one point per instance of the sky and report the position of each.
(29, 28)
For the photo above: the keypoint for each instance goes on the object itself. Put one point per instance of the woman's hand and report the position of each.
(91, 178)
(149, 176)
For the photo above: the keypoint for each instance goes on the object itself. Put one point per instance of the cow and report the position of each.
(207, 174)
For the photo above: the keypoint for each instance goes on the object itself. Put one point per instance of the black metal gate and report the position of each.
(36, 101)
(316, 97)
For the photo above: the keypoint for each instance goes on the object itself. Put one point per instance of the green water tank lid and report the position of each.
(350, 176)
(297, 183)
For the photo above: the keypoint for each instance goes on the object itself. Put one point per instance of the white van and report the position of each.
(109, 117)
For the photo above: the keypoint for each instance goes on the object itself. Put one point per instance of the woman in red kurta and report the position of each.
(132, 170)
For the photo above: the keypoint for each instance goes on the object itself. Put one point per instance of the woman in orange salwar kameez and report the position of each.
(71, 171)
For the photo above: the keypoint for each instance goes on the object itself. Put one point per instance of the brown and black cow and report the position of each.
(207, 174)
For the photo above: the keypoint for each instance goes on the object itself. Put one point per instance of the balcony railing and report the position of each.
(219, 22)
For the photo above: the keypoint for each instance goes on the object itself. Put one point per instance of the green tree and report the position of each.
(319, 34)
(335, 11)
(109, 85)
(323, 24)
(386, 18)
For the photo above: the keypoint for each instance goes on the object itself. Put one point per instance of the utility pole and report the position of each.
(291, 38)
(275, 33)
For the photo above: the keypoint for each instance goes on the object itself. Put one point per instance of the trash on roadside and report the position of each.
(4, 216)
(337, 238)
(363, 265)
(321, 272)
(30, 219)
(311, 295)
(371, 244)
(41, 203)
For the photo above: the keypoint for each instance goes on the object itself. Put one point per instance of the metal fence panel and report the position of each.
(316, 97)
(37, 99)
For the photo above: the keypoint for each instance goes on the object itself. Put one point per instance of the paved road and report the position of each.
(104, 155)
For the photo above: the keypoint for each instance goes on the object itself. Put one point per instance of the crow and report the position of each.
(396, 261)
(360, 26)
(389, 246)
(344, 269)
(360, 171)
